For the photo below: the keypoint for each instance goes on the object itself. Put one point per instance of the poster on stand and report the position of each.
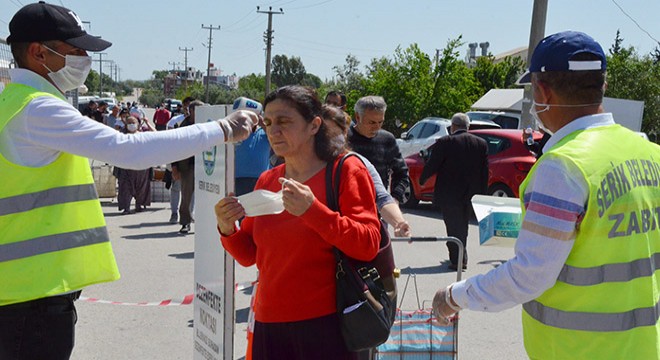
(214, 269)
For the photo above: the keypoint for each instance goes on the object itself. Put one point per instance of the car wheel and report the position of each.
(409, 199)
(500, 190)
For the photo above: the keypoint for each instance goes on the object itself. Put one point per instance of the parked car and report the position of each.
(509, 162)
(505, 119)
(422, 135)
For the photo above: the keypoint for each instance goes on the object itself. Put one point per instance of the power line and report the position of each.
(312, 5)
(239, 20)
(636, 23)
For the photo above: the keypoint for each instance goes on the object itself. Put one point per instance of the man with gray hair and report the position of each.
(379, 146)
(460, 163)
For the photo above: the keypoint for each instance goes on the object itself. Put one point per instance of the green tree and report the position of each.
(634, 77)
(414, 87)
(501, 75)
(287, 71)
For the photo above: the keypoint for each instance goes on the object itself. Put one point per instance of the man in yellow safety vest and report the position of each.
(53, 238)
(587, 256)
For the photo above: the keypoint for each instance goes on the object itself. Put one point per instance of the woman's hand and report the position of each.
(227, 212)
(297, 197)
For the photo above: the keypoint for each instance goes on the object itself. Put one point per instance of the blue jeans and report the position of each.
(38, 329)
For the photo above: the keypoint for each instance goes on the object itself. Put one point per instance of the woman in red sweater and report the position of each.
(296, 316)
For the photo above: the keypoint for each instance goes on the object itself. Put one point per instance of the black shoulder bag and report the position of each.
(366, 291)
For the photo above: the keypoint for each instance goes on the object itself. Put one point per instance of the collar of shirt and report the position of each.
(32, 79)
(582, 123)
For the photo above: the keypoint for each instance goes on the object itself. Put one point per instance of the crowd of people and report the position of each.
(585, 260)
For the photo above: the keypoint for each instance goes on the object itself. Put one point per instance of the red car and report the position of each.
(509, 161)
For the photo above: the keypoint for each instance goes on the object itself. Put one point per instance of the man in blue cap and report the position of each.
(53, 238)
(587, 257)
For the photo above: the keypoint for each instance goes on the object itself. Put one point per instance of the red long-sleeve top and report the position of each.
(294, 253)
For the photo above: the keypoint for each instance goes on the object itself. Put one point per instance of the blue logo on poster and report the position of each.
(209, 158)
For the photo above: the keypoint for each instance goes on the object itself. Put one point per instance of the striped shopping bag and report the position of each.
(416, 335)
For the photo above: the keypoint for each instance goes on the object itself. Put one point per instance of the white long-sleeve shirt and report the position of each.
(48, 126)
(555, 199)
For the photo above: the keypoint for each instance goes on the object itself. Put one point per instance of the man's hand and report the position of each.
(238, 125)
(402, 229)
(443, 306)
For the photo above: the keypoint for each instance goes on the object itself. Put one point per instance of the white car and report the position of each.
(422, 135)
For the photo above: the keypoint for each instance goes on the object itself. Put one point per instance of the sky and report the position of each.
(148, 35)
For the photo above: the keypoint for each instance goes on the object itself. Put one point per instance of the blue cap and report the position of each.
(554, 53)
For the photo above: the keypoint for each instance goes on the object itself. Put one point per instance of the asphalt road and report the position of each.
(156, 263)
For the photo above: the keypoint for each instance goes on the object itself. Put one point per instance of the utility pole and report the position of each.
(210, 28)
(100, 60)
(268, 37)
(174, 65)
(185, 50)
(536, 34)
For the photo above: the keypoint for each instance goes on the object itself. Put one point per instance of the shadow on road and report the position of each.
(185, 255)
(425, 270)
(146, 225)
(166, 235)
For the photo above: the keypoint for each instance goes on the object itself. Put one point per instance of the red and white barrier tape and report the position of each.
(187, 300)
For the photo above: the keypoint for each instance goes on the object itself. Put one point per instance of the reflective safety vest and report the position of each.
(53, 237)
(605, 303)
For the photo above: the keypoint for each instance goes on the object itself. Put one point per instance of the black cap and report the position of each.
(44, 22)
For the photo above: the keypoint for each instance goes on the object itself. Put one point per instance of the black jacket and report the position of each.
(460, 162)
(383, 152)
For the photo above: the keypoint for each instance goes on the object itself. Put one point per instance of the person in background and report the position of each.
(338, 99)
(177, 119)
(460, 163)
(51, 215)
(586, 259)
(113, 117)
(90, 109)
(252, 159)
(295, 307)
(184, 170)
(368, 138)
(121, 121)
(389, 209)
(161, 117)
(100, 112)
(133, 183)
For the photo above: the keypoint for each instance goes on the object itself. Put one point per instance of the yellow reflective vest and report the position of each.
(53, 237)
(604, 304)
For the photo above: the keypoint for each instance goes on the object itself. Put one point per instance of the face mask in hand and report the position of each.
(262, 202)
(73, 74)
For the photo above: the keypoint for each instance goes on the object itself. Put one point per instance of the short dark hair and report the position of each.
(19, 52)
(306, 102)
(577, 87)
(188, 99)
(342, 97)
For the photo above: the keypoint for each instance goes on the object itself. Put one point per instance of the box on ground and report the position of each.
(499, 220)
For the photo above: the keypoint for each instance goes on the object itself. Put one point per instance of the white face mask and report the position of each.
(131, 127)
(535, 115)
(73, 74)
(262, 202)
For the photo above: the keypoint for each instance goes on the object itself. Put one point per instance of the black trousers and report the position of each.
(38, 329)
(318, 339)
(457, 218)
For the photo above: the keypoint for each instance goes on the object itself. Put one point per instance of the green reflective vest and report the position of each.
(604, 304)
(53, 237)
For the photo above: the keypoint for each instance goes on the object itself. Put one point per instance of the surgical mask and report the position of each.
(537, 119)
(535, 115)
(73, 74)
(262, 202)
(131, 127)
